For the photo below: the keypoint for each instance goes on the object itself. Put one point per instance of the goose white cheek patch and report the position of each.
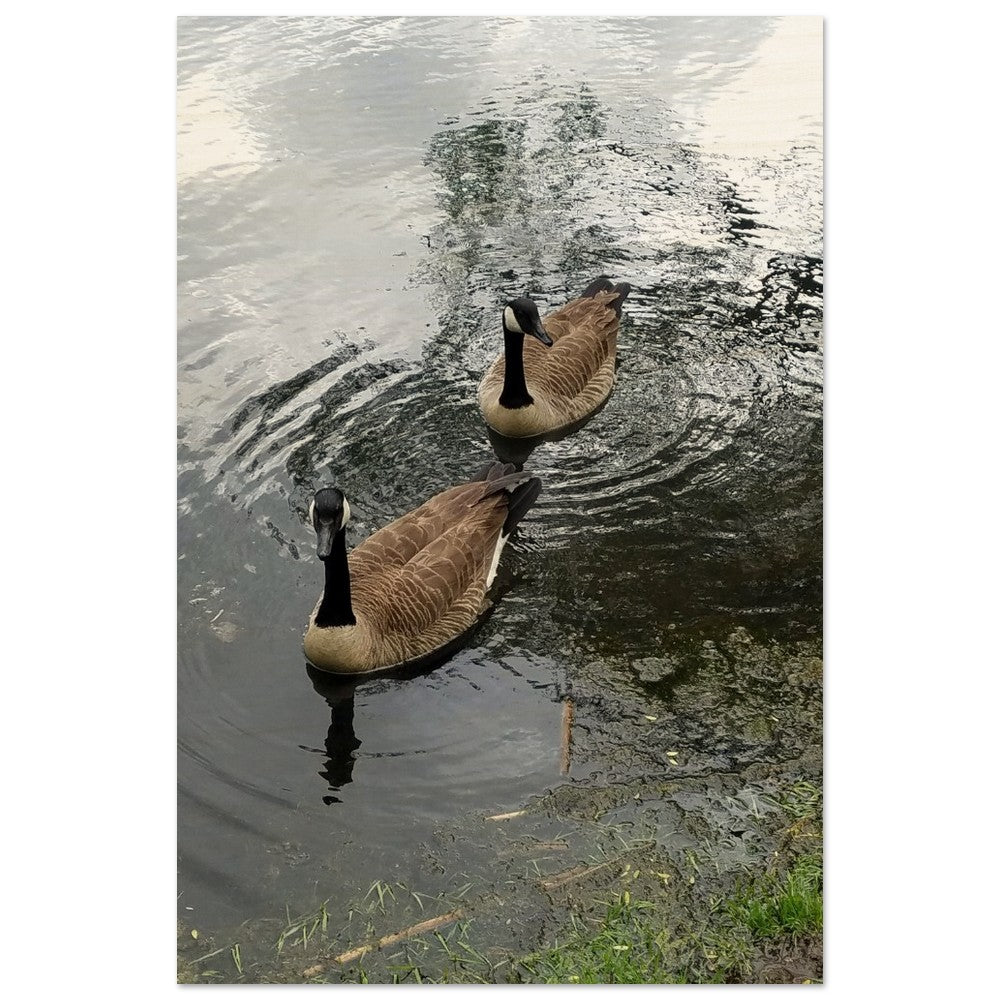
(510, 322)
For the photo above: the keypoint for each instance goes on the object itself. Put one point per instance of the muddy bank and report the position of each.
(692, 803)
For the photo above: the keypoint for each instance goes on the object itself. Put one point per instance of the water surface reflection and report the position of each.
(357, 199)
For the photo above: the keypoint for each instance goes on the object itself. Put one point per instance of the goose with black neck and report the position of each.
(409, 593)
(554, 373)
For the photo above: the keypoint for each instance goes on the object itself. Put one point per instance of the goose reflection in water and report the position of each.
(341, 744)
(341, 741)
(517, 451)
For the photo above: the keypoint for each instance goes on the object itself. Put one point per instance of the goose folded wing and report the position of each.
(425, 589)
(584, 339)
(393, 546)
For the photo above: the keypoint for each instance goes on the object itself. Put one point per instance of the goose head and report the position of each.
(521, 316)
(329, 512)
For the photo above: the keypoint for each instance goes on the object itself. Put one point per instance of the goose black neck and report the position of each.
(515, 390)
(335, 608)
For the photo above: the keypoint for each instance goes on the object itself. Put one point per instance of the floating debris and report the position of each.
(500, 816)
(573, 874)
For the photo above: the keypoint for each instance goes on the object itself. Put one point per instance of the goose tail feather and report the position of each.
(492, 471)
(523, 489)
(605, 284)
(521, 499)
(622, 288)
(601, 284)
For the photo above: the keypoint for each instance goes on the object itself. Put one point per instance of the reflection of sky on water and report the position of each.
(213, 134)
(776, 100)
(354, 197)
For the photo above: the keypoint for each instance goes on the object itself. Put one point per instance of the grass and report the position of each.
(625, 948)
(300, 931)
(639, 936)
(792, 907)
(802, 800)
(632, 943)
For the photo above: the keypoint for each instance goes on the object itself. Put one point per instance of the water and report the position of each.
(357, 198)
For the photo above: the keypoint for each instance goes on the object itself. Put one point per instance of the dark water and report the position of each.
(357, 198)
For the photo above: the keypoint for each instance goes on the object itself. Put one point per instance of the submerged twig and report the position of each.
(407, 932)
(574, 873)
(567, 735)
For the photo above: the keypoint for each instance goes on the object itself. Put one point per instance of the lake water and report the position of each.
(357, 197)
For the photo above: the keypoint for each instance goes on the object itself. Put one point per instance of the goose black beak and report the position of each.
(540, 333)
(324, 540)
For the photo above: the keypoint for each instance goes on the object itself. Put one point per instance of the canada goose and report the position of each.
(533, 389)
(407, 592)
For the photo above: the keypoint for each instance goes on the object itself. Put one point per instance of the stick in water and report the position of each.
(567, 735)
(573, 874)
(499, 816)
(407, 932)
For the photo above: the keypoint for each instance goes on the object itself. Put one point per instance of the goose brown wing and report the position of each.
(428, 587)
(397, 543)
(409, 574)
(584, 332)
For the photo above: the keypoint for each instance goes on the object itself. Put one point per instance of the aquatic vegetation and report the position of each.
(633, 943)
(609, 906)
(803, 800)
(304, 928)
